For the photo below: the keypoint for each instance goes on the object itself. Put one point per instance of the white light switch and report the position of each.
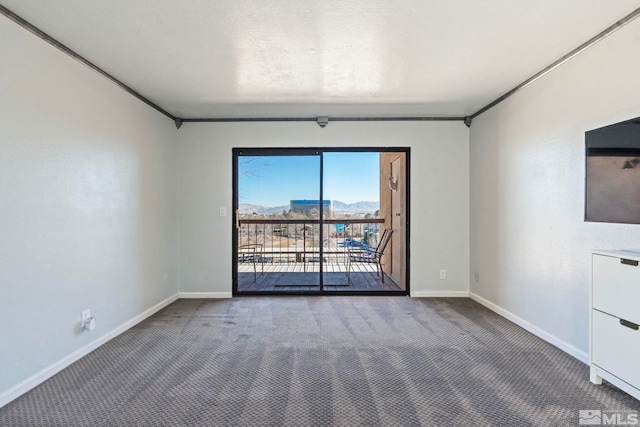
(223, 211)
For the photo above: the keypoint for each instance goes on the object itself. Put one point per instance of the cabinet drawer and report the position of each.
(616, 348)
(616, 287)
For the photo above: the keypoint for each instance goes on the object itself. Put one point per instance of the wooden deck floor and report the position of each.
(292, 277)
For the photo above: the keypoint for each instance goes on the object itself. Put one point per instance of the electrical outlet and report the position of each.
(476, 276)
(223, 212)
(443, 274)
(88, 322)
(84, 316)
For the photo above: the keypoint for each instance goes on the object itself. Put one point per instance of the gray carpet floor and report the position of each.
(320, 361)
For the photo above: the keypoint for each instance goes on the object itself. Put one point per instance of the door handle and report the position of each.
(628, 262)
(628, 324)
(238, 219)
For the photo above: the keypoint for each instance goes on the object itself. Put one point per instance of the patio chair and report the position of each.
(369, 255)
(253, 252)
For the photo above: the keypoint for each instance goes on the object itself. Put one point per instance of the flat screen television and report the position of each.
(612, 191)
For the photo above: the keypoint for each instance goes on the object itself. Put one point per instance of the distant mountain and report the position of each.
(338, 207)
(357, 207)
(248, 209)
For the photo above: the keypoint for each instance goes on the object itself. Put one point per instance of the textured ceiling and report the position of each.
(292, 58)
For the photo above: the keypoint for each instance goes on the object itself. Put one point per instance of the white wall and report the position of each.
(87, 211)
(529, 243)
(439, 193)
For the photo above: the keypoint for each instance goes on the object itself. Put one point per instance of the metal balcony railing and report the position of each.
(287, 241)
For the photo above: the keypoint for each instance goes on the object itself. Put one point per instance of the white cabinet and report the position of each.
(615, 316)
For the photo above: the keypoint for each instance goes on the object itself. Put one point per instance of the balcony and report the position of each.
(284, 255)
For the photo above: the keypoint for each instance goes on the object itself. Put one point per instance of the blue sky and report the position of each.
(275, 180)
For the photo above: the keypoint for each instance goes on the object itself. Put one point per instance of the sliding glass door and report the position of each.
(351, 182)
(278, 231)
(320, 221)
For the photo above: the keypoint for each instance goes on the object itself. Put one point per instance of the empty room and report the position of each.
(291, 213)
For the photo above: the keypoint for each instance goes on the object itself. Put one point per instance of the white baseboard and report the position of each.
(551, 339)
(439, 294)
(192, 295)
(37, 379)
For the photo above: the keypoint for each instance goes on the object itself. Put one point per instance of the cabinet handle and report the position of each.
(628, 324)
(628, 262)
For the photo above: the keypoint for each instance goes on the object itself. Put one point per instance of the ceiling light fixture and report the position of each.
(322, 121)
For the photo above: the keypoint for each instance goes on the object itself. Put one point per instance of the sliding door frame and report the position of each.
(283, 151)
